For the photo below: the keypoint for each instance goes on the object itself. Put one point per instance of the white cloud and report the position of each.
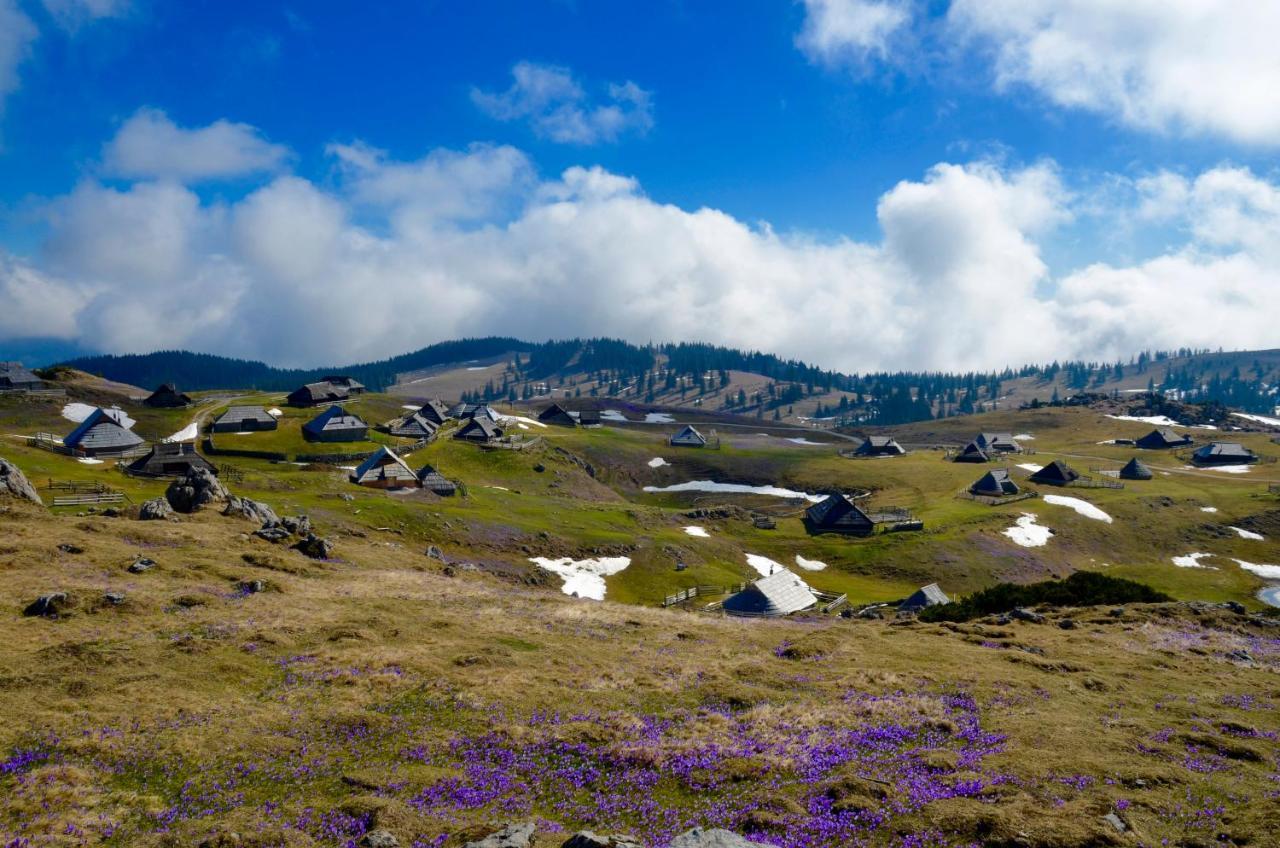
(393, 255)
(73, 14)
(150, 146)
(837, 32)
(558, 108)
(17, 32)
(1202, 66)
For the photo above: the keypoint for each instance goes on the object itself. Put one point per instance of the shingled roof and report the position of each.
(14, 375)
(480, 429)
(838, 513)
(433, 481)
(879, 446)
(1224, 453)
(1162, 438)
(384, 469)
(1056, 473)
(103, 433)
(688, 437)
(244, 419)
(414, 425)
(1135, 469)
(972, 452)
(926, 596)
(781, 593)
(169, 459)
(435, 411)
(167, 396)
(557, 414)
(996, 483)
(335, 424)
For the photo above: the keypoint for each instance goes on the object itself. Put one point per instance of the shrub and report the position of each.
(1082, 589)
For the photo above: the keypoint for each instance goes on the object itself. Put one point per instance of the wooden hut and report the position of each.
(328, 390)
(972, 452)
(1056, 473)
(1135, 469)
(688, 437)
(335, 424)
(557, 415)
(15, 377)
(879, 446)
(781, 593)
(384, 470)
(104, 433)
(839, 514)
(167, 396)
(479, 431)
(926, 596)
(1162, 438)
(414, 426)
(589, 418)
(1223, 453)
(430, 478)
(244, 419)
(998, 443)
(996, 483)
(170, 459)
(435, 411)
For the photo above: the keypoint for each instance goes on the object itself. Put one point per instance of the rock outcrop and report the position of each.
(238, 507)
(315, 547)
(156, 509)
(199, 489)
(52, 605)
(511, 836)
(14, 484)
(713, 838)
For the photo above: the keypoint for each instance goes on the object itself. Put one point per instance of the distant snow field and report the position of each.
(801, 440)
(583, 578)
(1156, 420)
(1270, 572)
(1247, 534)
(735, 489)
(1028, 533)
(1261, 419)
(700, 532)
(1083, 507)
(1192, 561)
(763, 564)
(810, 564)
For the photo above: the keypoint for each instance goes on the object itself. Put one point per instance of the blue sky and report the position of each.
(646, 169)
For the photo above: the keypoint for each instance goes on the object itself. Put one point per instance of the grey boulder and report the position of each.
(15, 484)
(156, 509)
(587, 839)
(51, 605)
(238, 507)
(511, 836)
(713, 838)
(200, 488)
(315, 547)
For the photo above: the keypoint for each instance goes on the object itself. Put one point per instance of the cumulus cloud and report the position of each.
(17, 32)
(1209, 66)
(557, 107)
(151, 146)
(390, 255)
(837, 32)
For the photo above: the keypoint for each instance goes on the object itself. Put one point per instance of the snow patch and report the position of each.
(78, 412)
(275, 413)
(614, 415)
(520, 419)
(1225, 469)
(1208, 509)
(658, 418)
(1028, 533)
(801, 440)
(189, 433)
(810, 564)
(1157, 420)
(658, 462)
(1247, 534)
(700, 532)
(88, 460)
(1024, 437)
(583, 578)
(1085, 508)
(1261, 419)
(736, 489)
(1192, 561)
(763, 564)
(411, 406)
(1030, 466)
(1270, 572)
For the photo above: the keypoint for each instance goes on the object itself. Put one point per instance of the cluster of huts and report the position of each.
(785, 593)
(384, 470)
(987, 446)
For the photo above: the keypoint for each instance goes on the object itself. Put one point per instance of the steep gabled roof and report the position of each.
(1224, 452)
(925, 596)
(167, 395)
(781, 593)
(1056, 473)
(688, 436)
(972, 453)
(1135, 469)
(838, 512)
(556, 414)
(995, 483)
(414, 424)
(17, 374)
(435, 411)
(383, 464)
(102, 431)
(432, 480)
(335, 418)
(478, 429)
(238, 415)
(873, 445)
(1163, 437)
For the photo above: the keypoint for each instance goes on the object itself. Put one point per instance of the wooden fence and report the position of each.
(48, 442)
(992, 501)
(95, 500)
(512, 443)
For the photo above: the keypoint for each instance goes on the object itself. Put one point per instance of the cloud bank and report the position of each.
(388, 255)
(1204, 67)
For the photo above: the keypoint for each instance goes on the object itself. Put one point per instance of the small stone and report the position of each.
(238, 507)
(1067, 624)
(53, 605)
(114, 598)
(379, 839)
(315, 547)
(434, 552)
(272, 534)
(511, 836)
(587, 839)
(251, 587)
(142, 564)
(1116, 822)
(1024, 614)
(1236, 607)
(70, 549)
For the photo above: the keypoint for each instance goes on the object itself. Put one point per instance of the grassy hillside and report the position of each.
(438, 698)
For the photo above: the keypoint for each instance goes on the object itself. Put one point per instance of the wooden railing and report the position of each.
(96, 500)
(994, 501)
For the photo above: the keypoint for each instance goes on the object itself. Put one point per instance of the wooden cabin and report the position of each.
(435, 411)
(104, 433)
(170, 459)
(335, 424)
(1162, 438)
(328, 390)
(972, 453)
(589, 418)
(992, 443)
(1223, 453)
(557, 415)
(1135, 469)
(415, 425)
(879, 446)
(430, 478)
(167, 396)
(926, 596)
(839, 514)
(244, 419)
(688, 437)
(1056, 473)
(479, 431)
(996, 483)
(15, 377)
(781, 593)
(384, 470)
